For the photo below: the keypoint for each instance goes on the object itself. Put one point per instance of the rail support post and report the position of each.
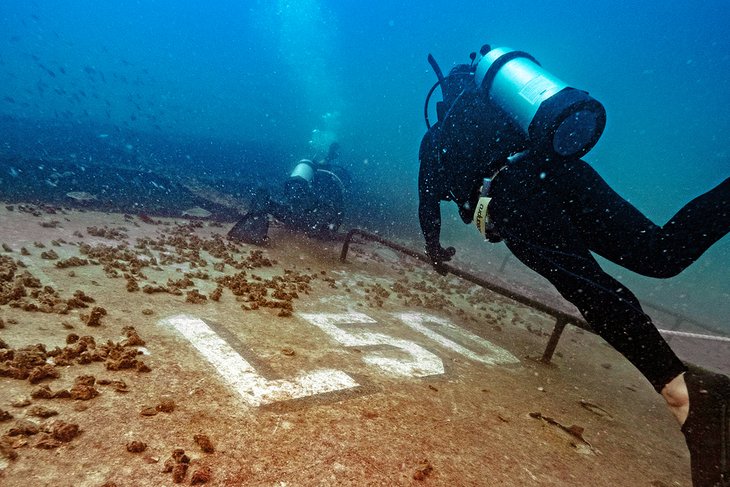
(560, 324)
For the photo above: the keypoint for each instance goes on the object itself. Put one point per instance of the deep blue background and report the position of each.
(234, 75)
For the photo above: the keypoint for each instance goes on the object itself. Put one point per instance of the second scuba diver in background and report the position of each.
(313, 202)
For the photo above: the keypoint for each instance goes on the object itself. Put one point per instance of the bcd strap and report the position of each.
(481, 217)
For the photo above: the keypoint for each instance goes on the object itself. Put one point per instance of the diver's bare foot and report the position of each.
(677, 397)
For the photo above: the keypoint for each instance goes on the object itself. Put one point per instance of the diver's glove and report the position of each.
(439, 255)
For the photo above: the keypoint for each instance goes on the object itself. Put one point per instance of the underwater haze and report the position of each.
(238, 91)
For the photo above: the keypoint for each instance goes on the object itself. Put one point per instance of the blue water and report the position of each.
(246, 88)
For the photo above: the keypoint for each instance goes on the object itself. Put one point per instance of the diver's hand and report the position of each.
(438, 256)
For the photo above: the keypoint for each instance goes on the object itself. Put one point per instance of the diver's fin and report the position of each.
(253, 228)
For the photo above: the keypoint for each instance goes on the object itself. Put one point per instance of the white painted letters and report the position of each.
(420, 363)
(240, 375)
(400, 357)
(494, 355)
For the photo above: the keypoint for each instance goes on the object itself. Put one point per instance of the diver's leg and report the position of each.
(260, 201)
(542, 235)
(280, 210)
(545, 239)
(696, 227)
(616, 230)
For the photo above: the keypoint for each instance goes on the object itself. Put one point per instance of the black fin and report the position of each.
(253, 228)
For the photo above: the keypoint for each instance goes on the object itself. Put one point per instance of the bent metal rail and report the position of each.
(562, 319)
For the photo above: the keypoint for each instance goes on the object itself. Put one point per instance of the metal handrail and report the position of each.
(562, 319)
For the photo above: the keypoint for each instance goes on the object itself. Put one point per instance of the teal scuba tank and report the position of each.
(554, 117)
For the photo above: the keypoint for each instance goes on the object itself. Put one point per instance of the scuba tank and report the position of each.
(554, 116)
(303, 172)
(547, 114)
(314, 198)
(299, 184)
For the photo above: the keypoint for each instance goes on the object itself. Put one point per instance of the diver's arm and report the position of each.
(429, 211)
(430, 193)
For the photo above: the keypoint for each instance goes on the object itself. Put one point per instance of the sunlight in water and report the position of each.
(306, 43)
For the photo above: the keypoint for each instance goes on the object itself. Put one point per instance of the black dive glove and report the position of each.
(439, 255)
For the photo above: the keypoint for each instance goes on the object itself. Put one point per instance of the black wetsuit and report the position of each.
(316, 208)
(553, 213)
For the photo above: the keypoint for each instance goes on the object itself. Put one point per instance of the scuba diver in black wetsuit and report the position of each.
(313, 202)
(507, 150)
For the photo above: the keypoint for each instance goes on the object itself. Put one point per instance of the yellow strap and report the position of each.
(481, 215)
